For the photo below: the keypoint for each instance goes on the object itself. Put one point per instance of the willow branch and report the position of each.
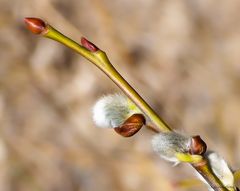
(100, 59)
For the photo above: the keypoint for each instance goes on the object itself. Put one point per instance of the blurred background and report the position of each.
(181, 56)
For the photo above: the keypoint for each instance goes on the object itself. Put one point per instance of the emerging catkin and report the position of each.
(168, 144)
(113, 110)
(221, 169)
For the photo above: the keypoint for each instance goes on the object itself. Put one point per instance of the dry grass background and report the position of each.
(182, 56)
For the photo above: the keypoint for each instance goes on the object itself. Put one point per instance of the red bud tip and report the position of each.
(197, 146)
(35, 25)
(89, 45)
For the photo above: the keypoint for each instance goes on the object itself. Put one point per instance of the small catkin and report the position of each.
(168, 144)
(112, 110)
(220, 168)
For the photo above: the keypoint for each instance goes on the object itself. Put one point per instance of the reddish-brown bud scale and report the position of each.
(197, 146)
(131, 126)
(89, 45)
(35, 25)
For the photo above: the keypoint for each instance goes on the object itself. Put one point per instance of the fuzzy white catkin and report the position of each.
(112, 110)
(168, 144)
(220, 168)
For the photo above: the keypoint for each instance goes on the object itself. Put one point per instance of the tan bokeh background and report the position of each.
(182, 56)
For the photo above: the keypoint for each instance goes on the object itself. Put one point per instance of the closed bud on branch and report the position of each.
(35, 25)
(197, 146)
(167, 145)
(131, 126)
(118, 112)
(89, 45)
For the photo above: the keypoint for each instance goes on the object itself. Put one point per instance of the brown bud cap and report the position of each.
(89, 45)
(35, 25)
(131, 126)
(197, 146)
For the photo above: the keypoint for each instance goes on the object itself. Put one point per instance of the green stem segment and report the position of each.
(100, 59)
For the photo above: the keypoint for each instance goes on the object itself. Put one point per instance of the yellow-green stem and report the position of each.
(53, 34)
(134, 96)
(100, 59)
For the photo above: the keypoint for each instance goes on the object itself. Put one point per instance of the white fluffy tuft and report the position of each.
(112, 110)
(168, 144)
(99, 113)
